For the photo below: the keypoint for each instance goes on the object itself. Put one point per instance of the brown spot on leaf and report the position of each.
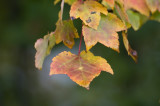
(93, 12)
(89, 20)
(72, 18)
(134, 53)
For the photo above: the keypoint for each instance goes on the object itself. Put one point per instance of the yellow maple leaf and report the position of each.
(88, 12)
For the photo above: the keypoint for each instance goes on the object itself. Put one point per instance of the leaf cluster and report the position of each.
(101, 23)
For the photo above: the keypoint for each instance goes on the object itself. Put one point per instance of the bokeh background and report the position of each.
(22, 22)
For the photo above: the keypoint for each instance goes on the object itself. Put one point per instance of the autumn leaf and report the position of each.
(66, 32)
(153, 5)
(88, 12)
(105, 34)
(82, 68)
(130, 51)
(70, 2)
(43, 48)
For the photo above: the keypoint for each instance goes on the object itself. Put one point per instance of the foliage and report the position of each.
(101, 22)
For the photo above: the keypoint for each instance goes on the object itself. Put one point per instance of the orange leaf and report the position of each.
(130, 51)
(105, 34)
(88, 12)
(66, 32)
(82, 68)
(153, 5)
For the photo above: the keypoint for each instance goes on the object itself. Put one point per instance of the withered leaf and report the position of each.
(130, 51)
(43, 48)
(66, 32)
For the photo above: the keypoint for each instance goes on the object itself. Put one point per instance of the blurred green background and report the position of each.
(22, 22)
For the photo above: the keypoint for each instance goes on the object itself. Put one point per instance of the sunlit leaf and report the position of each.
(88, 12)
(105, 34)
(66, 32)
(43, 48)
(82, 68)
(130, 51)
(154, 5)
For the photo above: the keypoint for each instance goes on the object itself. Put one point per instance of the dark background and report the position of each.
(22, 22)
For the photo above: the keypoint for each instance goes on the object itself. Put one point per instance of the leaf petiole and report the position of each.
(80, 44)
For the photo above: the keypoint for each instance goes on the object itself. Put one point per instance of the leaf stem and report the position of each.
(80, 44)
(62, 7)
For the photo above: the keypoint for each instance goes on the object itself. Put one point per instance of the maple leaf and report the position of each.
(82, 68)
(88, 12)
(106, 32)
(43, 48)
(70, 2)
(66, 32)
(130, 51)
(153, 5)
